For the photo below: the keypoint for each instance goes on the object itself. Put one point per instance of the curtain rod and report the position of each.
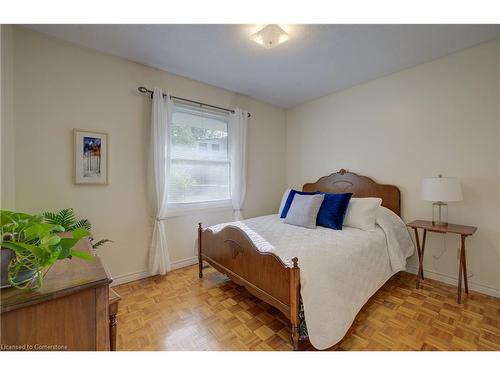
(144, 90)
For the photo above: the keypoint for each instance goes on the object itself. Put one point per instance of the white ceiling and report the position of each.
(317, 60)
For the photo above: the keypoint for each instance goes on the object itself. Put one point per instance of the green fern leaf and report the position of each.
(50, 217)
(100, 243)
(83, 223)
(66, 218)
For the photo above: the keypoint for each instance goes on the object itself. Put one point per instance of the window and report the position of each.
(199, 162)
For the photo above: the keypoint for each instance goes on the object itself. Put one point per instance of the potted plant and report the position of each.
(66, 218)
(30, 246)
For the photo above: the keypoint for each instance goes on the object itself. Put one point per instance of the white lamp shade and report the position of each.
(441, 189)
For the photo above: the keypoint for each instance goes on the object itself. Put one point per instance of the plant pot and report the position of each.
(6, 255)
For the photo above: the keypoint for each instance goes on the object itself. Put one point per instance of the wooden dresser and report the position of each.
(69, 312)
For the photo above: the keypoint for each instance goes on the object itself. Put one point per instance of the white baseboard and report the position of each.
(133, 276)
(452, 280)
(184, 263)
(127, 278)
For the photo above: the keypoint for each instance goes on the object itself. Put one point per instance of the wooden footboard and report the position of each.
(231, 252)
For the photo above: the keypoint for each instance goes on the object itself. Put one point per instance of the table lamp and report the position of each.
(439, 190)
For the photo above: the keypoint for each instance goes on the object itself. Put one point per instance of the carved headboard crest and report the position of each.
(361, 187)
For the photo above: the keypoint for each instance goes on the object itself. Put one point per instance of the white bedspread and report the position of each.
(339, 270)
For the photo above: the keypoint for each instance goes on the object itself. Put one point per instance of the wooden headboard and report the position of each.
(361, 187)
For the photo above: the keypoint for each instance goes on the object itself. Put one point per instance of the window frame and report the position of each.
(186, 208)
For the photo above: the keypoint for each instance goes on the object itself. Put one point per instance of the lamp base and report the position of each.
(440, 214)
(439, 223)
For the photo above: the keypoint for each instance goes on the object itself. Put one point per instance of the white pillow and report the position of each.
(361, 213)
(304, 210)
(283, 200)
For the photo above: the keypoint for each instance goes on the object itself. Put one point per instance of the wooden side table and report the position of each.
(463, 230)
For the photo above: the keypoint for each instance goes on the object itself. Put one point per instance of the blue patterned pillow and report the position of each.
(289, 200)
(332, 211)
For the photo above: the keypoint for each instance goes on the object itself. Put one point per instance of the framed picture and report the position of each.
(91, 157)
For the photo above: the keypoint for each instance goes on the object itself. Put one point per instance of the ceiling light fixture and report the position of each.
(270, 36)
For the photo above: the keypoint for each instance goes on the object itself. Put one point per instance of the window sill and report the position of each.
(183, 209)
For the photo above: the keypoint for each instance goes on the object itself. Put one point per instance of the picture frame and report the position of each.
(91, 157)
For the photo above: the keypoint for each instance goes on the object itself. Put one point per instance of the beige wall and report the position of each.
(59, 86)
(439, 117)
(7, 117)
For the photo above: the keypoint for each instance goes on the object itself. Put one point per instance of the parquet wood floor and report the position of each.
(180, 312)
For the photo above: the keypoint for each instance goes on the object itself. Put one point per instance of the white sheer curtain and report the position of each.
(237, 152)
(161, 115)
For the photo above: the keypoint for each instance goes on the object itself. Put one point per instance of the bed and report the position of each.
(330, 273)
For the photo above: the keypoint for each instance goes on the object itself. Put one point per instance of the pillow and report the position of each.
(283, 200)
(304, 210)
(289, 200)
(361, 213)
(332, 211)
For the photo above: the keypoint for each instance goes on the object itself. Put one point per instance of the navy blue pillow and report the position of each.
(332, 211)
(289, 200)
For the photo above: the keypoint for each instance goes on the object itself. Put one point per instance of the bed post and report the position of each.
(295, 302)
(200, 260)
